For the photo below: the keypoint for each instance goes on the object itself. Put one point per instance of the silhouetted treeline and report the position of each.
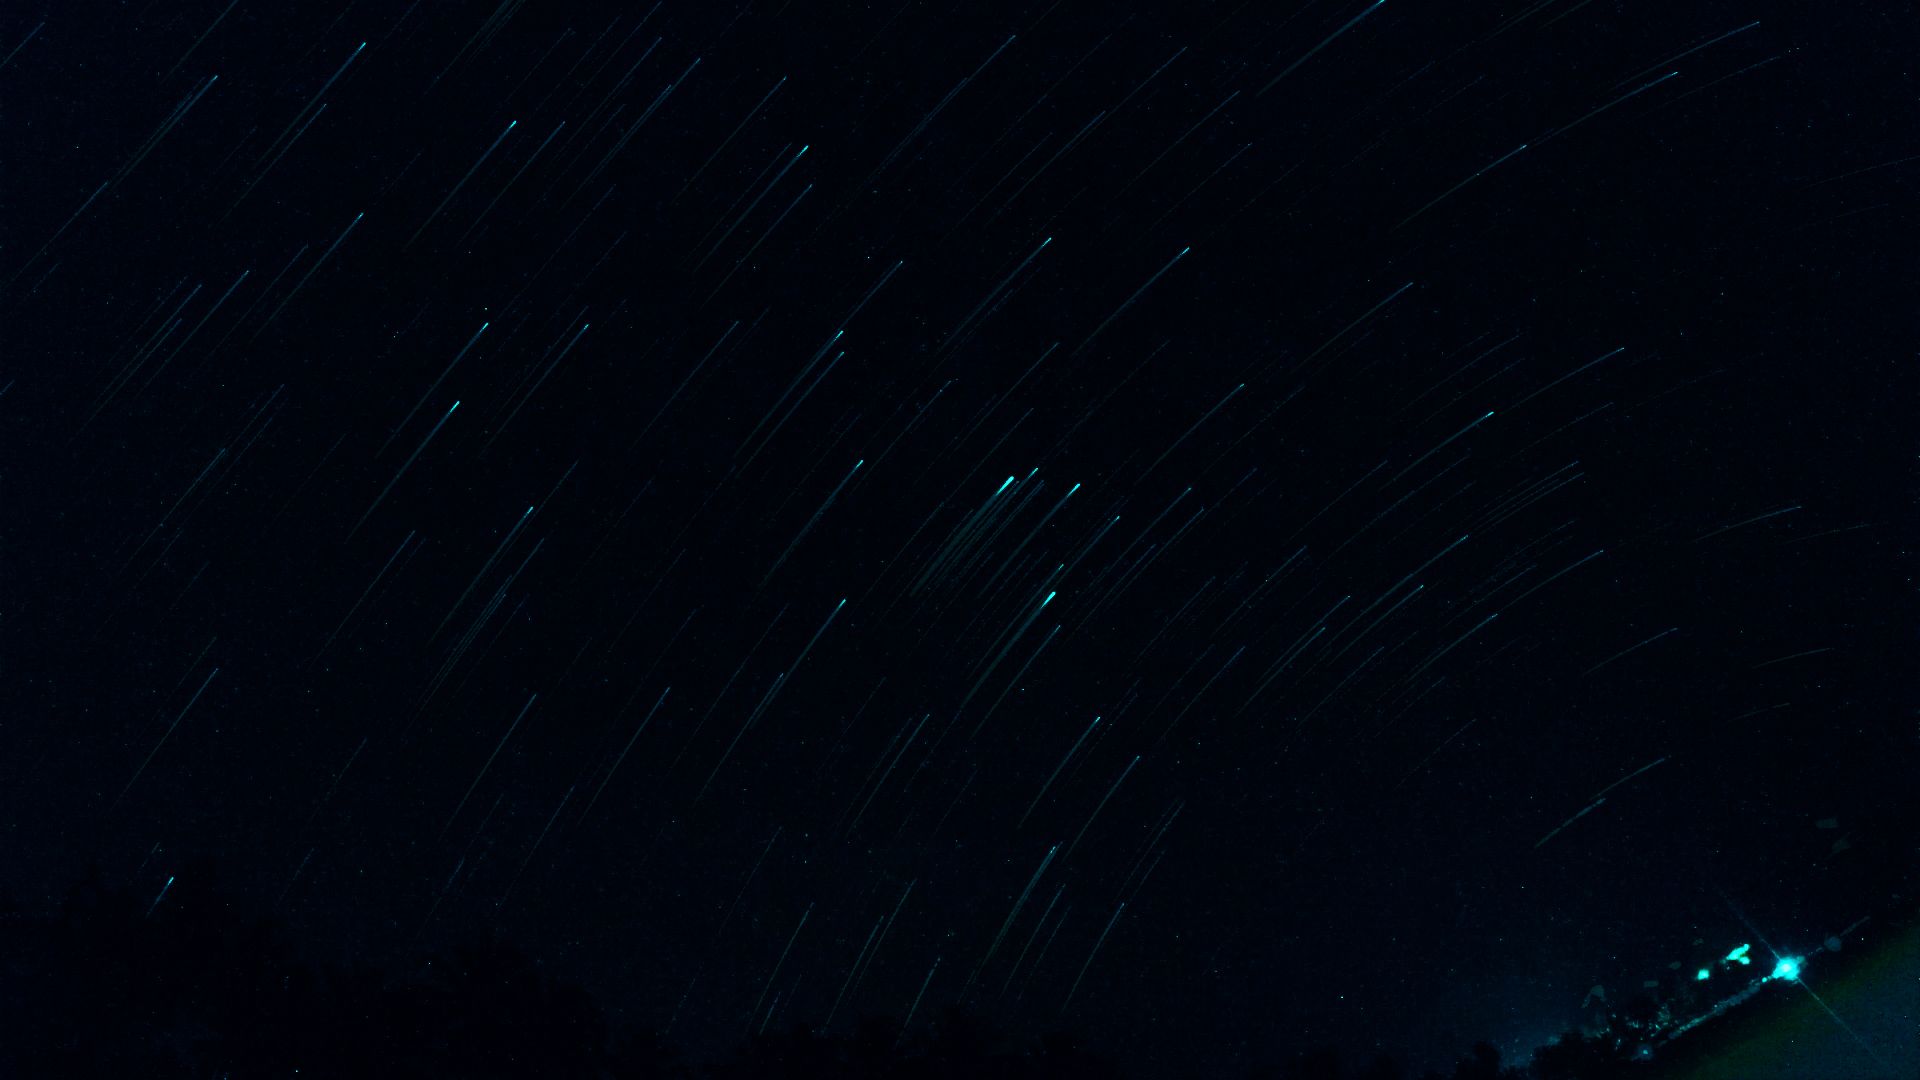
(114, 984)
(187, 984)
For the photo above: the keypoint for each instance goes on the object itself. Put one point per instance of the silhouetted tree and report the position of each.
(1575, 1056)
(1483, 1063)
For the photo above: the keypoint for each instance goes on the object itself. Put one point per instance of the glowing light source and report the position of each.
(1702, 974)
(1787, 968)
(1739, 955)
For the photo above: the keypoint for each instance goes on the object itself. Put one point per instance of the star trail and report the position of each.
(1220, 528)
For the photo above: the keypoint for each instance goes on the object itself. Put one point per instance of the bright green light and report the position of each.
(1740, 956)
(1702, 974)
(1787, 968)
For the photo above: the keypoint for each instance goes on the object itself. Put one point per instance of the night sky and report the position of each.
(1229, 527)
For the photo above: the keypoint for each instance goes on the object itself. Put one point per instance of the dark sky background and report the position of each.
(678, 484)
